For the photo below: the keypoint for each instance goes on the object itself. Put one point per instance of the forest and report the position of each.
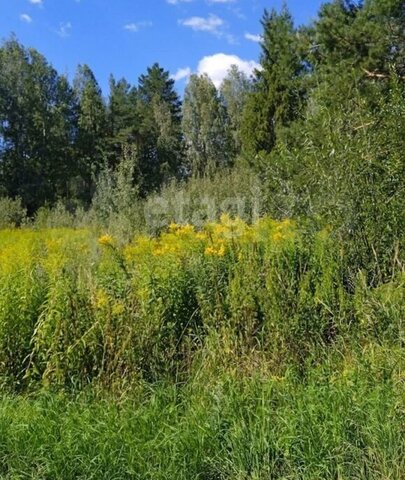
(208, 286)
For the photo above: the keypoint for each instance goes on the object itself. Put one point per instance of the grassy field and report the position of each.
(232, 352)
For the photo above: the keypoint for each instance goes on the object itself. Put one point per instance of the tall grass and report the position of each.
(344, 421)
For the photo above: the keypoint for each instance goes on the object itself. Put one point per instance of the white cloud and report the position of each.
(181, 74)
(24, 17)
(36, 2)
(211, 24)
(253, 38)
(64, 29)
(135, 27)
(176, 2)
(217, 66)
(221, 1)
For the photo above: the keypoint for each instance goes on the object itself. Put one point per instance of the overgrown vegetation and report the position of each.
(212, 288)
(235, 351)
(75, 311)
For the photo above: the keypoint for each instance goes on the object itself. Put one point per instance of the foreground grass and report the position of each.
(342, 421)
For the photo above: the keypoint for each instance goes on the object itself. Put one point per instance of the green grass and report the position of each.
(341, 421)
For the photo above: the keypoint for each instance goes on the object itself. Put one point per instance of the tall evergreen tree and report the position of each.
(367, 35)
(277, 94)
(123, 121)
(91, 128)
(160, 137)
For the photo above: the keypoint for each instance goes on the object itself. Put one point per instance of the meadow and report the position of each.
(204, 282)
(233, 351)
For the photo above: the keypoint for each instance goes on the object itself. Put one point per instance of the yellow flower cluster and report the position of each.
(282, 231)
(218, 250)
(216, 239)
(106, 240)
(47, 249)
(53, 251)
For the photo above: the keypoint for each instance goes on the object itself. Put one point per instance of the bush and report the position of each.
(346, 170)
(12, 213)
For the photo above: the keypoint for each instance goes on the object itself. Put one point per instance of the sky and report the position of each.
(124, 37)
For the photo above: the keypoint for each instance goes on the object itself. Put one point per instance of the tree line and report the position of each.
(56, 137)
(318, 86)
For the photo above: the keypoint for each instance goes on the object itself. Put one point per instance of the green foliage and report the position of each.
(54, 217)
(122, 118)
(36, 127)
(238, 192)
(91, 132)
(234, 91)
(152, 306)
(116, 204)
(343, 420)
(367, 35)
(250, 361)
(276, 98)
(206, 135)
(160, 137)
(347, 170)
(12, 213)
(256, 348)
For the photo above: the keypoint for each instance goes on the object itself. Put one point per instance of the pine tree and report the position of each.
(277, 94)
(160, 137)
(91, 129)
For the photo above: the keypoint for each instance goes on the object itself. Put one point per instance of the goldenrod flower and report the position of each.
(210, 251)
(185, 230)
(217, 251)
(101, 299)
(173, 227)
(118, 309)
(106, 240)
(277, 236)
(221, 251)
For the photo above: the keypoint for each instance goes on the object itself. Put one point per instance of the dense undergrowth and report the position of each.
(231, 351)
(76, 309)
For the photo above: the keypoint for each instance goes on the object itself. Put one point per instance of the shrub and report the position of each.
(12, 213)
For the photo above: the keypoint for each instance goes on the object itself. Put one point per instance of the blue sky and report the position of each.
(124, 37)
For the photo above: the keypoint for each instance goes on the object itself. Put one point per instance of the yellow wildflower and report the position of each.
(185, 230)
(221, 251)
(101, 299)
(106, 240)
(210, 251)
(218, 251)
(225, 219)
(118, 309)
(277, 236)
(173, 227)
